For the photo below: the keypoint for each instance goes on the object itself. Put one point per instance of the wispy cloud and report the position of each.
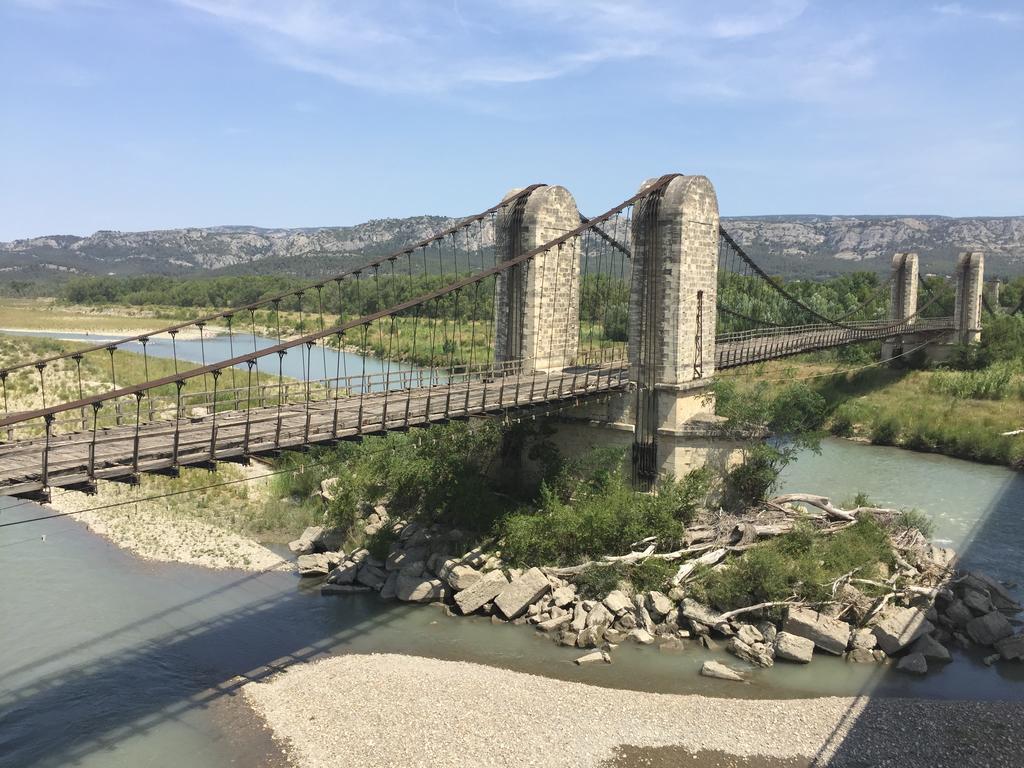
(999, 16)
(434, 47)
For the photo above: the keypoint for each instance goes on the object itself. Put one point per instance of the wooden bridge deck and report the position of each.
(75, 459)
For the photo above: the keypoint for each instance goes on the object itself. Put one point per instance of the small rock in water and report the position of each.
(793, 647)
(642, 636)
(593, 657)
(718, 670)
(914, 663)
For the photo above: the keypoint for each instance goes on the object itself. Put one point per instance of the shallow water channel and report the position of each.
(108, 660)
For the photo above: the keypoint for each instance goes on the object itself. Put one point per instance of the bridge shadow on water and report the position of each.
(67, 715)
(922, 730)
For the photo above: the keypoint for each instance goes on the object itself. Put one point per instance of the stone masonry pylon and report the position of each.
(537, 303)
(970, 282)
(672, 315)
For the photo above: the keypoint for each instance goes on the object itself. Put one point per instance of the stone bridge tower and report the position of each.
(537, 303)
(903, 302)
(970, 283)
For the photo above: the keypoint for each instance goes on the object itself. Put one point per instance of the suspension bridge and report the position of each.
(526, 307)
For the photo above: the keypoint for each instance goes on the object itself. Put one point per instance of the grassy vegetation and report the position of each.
(43, 314)
(801, 564)
(956, 413)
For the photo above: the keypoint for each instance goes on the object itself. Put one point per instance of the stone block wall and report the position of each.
(537, 303)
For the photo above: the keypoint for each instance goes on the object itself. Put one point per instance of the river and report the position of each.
(108, 660)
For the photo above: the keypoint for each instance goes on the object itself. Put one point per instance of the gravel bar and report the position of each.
(394, 710)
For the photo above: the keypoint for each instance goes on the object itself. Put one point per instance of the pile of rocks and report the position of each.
(429, 564)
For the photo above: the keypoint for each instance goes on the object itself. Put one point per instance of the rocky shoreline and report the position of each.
(911, 619)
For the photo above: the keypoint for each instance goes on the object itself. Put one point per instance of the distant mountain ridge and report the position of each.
(793, 246)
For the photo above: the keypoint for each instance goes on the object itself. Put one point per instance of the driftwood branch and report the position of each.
(825, 505)
(771, 604)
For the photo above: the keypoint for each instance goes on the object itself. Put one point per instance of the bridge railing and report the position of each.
(473, 385)
(464, 248)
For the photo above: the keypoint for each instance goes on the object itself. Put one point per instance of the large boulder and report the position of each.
(720, 671)
(344, 573)
(555, 622)
(306, 543)
(400, 559)
(591, 636)
(460, 577)
(521, 593)
(999, 595)
(486, 588)
(599, 615)
(563, 596)
(756, 653)
(319, 564)
(658, 604)
(931, 649)
(617, 602)
(959, 613)
(825, 632)
(989, 629)
(416, 589)
(793, 647)
(895, 628)
(371, 576)
(749, 634)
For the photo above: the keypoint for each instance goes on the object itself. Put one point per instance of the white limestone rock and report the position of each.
(658, 605)
(794, 647)
(718, 670)
(617, 602)
(521, 593)
(895, 628)
(305, 544)
(829, 634)
(484, 590)
(416, 589)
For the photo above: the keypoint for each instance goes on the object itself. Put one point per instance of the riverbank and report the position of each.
(496, 717)
(926, 411)
(200, 528)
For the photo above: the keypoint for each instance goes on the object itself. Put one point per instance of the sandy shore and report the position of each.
(392, 710)
(162, 530)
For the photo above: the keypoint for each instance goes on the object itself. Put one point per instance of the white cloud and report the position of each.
(443, 47)
(1009, 18)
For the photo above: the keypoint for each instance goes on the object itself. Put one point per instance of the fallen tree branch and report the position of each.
(770, 604)
(825, 505)
(708, 558)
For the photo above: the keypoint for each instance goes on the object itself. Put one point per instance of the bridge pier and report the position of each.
(970, 285)
(536, 304)
(667, 421)
(903, 302)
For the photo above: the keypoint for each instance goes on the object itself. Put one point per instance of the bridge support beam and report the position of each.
(536, 304)
(672, 313)
(970, 284)
(903, 304)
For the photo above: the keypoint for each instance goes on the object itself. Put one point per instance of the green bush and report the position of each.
(802, 563)
(379, 543)
(596, 581)
(886, 432)
(993, 383)
(842, 425)
(912, 518)
(753, 480)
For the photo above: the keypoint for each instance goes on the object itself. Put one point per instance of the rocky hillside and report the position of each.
(804, 246)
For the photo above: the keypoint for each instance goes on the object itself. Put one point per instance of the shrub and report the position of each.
(752, 480)
(596, 581)
(802, 563)
(379, 543)
(653, 573)
(842, 425)
(886, 432)
(912, 518)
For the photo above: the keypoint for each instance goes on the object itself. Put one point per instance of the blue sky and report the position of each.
(140, 114)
